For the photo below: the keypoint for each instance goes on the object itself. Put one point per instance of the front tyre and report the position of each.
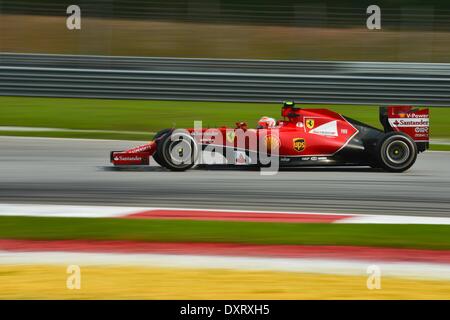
(177, 151)
(396, 152)
(159, 136)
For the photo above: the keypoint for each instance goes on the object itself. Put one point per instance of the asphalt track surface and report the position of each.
(64, 171)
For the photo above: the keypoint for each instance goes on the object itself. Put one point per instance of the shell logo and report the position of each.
(272, 142)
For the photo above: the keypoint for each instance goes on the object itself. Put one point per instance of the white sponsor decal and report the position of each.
(136, 158)
(413, 115)
(313, 158)
(403, 122)
(421, 130)
(326, 129)
(140, 149)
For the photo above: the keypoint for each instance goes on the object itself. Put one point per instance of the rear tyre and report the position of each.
(176, 151)
(396, 152)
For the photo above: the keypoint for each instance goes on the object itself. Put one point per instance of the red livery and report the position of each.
(303, 137)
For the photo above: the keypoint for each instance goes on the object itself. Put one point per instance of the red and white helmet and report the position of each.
(266, 122)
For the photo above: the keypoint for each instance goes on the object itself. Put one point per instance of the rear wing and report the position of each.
(414, 122)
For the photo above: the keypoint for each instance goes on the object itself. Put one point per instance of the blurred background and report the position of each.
(412, 30)
(127, 74)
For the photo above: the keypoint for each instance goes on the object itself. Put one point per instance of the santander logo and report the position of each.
(127, 158)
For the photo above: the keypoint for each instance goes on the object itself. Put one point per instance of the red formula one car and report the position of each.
(304, 137)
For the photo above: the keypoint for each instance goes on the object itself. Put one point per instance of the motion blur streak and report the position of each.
(39, 170)
(44, 282)
(224, 80)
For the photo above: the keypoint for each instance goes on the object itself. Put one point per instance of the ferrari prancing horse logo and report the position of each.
(310, 123)
(299, 144)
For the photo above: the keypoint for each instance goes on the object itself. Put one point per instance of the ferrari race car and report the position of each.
(303, 137)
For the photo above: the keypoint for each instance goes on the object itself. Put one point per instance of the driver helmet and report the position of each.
(266, 122)
(289, 104)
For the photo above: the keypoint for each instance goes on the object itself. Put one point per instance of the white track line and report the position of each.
(39, 210)
(67, 139)
(387, 219)
(67, 211)
(76, 211)
(44, 129)
(320, 266)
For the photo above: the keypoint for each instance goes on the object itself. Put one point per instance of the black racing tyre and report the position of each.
(157, 137)
(176, 151)
(374, 165)
(396, 152)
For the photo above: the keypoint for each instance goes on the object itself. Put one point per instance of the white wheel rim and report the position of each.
(398, 152)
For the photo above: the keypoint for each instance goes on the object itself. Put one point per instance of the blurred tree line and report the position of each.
(396, 14)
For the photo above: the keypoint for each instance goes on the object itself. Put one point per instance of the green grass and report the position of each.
(440, 147)
(401, 236)
(151, 116)
(80, 135)
(124, 115)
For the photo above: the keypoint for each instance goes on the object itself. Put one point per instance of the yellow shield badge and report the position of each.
(310, 123)
(299, 144)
